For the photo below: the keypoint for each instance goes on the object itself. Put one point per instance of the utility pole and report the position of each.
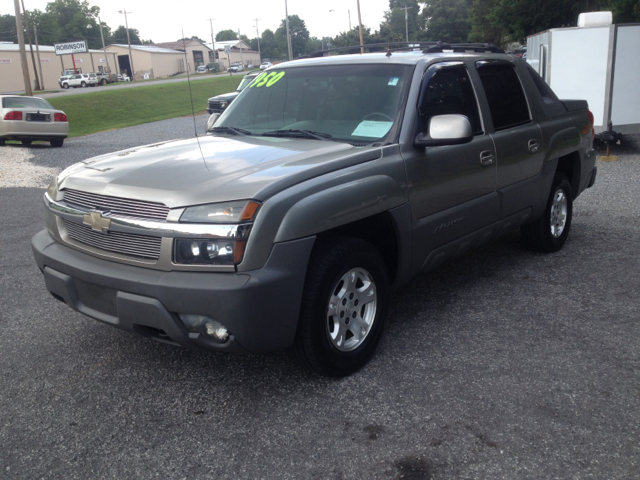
(23, 53)
(35, 34)
(360, 24)
(126, 23)
(104, 49)
(286, 12)
(406, 22)
(213, 40)
(258, 38)
(33, 58)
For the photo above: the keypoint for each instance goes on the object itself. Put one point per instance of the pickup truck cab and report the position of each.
(328, 183)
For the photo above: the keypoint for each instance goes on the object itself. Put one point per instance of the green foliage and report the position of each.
(299, 36)
(447, 20)
(121, 108)
(7, 28)
(120, 36)
(269, 46)
(226, 35)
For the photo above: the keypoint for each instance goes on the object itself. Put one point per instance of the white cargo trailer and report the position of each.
(598, 62)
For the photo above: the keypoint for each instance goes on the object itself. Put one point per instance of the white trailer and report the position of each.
(598, 62)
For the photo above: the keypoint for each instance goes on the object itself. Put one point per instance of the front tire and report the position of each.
(65, 86)
(26, 143)
(549, 233)
(83, 84)
(343, 307)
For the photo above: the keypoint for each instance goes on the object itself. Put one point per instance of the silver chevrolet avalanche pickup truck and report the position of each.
(328, 183)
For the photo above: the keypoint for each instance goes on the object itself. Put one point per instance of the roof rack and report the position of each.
(428, 47)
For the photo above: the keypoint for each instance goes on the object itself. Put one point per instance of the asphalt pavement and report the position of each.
(503, 364)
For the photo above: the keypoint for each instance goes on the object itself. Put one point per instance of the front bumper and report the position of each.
(259, 308)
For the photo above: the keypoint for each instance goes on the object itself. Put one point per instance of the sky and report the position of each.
(164, 21)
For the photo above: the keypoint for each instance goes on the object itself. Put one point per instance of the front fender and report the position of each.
(339, 206)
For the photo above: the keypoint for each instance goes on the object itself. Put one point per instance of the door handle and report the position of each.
(487, 158)
(533, 146)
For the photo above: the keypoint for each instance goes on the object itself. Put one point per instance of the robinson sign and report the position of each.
(71, 47)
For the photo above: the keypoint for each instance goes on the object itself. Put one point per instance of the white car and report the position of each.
(80, 80)
(265, 65)
(31, 118)
(235, 67)
(123, 78)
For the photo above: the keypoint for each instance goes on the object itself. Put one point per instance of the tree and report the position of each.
(194, 37)
(120, 36)
(395, 26)
(226, 35)
(447, 20)
(299, 36)
(8, 28)
(76, 20)
(269, 45)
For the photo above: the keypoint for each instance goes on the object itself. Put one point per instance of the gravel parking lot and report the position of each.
(503, 364)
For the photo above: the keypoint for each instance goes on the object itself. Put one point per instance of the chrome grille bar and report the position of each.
(117, 242)
(116, 205)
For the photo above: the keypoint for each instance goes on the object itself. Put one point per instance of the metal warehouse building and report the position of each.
(52, 65)
(149, 61)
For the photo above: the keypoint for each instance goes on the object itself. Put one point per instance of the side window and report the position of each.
(507, 102)
(448, 91)
(550, 103)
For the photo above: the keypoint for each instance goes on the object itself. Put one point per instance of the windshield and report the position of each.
(26, 102)
(352, 103)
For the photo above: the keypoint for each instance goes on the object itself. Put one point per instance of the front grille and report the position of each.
(213, 105)
(116, 205)
(126, 243)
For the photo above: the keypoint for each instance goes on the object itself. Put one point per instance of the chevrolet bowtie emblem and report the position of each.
(96, 221)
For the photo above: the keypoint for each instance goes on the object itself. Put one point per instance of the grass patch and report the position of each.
(110, 109)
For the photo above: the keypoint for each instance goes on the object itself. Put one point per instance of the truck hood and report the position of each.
(211, 169)
(225, 97)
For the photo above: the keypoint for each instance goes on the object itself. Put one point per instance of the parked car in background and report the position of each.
(31, 118)
(265, 65)
(80, 80)
(123, 78)
(202, 69)
(63, 78)
(104, 78)
(219, 103)
(235, 67)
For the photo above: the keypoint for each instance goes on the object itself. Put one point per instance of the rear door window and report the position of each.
(507, 101)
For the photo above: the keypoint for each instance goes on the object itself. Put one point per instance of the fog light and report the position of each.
(216, 330)
(206, 326)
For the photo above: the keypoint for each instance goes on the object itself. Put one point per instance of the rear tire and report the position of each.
(83, 84)
(343, 307)
(2, 142)
(57, 142)
(549, 233)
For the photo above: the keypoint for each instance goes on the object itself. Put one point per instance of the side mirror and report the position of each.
(212, 120)
(451, 129)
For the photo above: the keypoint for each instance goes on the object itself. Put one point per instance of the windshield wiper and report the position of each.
(298, 133)
(233, 130)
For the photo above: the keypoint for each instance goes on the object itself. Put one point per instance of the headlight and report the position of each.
(216, 251)
(52, 189)
(230, 212)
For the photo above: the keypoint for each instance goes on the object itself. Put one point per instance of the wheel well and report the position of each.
(570, 166)
(380, 232)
